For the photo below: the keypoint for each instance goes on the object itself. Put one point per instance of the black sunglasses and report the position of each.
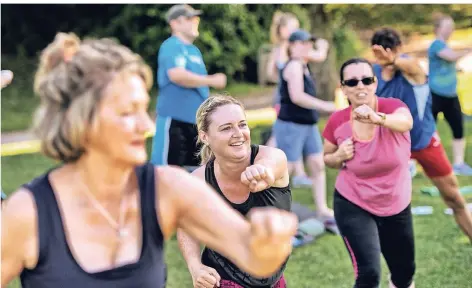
(354, 82)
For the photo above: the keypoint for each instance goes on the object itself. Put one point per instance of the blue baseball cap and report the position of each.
(301, 35)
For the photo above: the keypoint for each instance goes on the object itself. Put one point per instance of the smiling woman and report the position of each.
(245, 176)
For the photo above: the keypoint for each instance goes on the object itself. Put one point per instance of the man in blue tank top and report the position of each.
(400, 76)
(183, 85)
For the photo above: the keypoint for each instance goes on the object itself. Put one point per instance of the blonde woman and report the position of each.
(230, 163)
(101, 217)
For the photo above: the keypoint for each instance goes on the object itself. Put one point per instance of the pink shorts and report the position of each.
(230, 284)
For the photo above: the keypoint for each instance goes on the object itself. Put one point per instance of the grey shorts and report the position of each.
(297, 139)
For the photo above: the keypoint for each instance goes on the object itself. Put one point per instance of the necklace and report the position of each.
(118, 226)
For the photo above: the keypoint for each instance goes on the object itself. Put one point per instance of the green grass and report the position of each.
(443, 256)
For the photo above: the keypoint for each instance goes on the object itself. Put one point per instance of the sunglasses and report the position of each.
(354, 82)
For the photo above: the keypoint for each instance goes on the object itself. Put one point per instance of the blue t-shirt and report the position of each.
(442, 73)
(417, 98)
(174, 101)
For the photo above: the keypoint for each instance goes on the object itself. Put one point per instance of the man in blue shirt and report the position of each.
(183, 85)
(401, 77)
(443, 84)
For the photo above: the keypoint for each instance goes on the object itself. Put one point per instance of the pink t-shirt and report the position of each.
(377, 178)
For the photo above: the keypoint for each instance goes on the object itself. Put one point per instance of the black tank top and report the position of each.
(57, 267)
(278, 197)
(291, 112)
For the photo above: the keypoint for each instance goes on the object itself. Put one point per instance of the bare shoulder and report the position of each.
(171, 184)
(292, 67)
(200, 172)
(267, 151)
(171, 176)
(20, 208)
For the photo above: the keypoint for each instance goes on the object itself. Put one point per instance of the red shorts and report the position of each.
(433, 159)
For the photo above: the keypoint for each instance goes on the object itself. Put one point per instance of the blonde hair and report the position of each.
(71, 77)
(279, 20)
(204, 113)
(438, 18)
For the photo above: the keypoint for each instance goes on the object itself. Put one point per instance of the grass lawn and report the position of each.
(443, 256)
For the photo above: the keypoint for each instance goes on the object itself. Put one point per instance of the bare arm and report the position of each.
(399, 121)
(19, 235)
(294, 76)
(272, 71)
(452, 56)
(412, 68)
(188, 79)
(330, 157)
(190, 247)
(204, 215)
(320, 53)
(275, 160)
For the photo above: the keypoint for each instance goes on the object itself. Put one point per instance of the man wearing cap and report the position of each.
(183, 85)
(296, 131)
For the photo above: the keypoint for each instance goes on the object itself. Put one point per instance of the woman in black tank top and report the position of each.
(100, 218)
(296, 131)
(245, 176)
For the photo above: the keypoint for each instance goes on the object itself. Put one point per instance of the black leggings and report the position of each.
(451, 108)
(366, 236)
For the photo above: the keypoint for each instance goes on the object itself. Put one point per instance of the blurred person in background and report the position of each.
(183, 85)
(296, 131)
(245, 175)
(100, 218)
(401, 76)
(443, 85)
(283, 24)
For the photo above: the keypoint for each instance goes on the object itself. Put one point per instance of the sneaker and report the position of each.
(462, 169)
(301, 182)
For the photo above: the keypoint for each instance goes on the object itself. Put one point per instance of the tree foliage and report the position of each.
(230, 34)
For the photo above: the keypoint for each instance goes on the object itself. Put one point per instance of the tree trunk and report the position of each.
(325, 73)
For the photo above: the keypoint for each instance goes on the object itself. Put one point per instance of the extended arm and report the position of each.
(19, 235)
(320, 53)
(294, 76)
(205, 216)
(452, 56)
(275, 160)
(399, 121)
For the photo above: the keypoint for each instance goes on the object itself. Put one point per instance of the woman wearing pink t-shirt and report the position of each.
(370, 143)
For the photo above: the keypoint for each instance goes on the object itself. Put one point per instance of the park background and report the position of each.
(234, 39)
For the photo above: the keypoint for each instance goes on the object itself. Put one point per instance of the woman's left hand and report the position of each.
(365, 114)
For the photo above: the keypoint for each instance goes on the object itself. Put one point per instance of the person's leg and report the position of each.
(178, 143)
(160, 141)
(192, 158)
(453, 115)
(360, 234)
(436, 106)
(300, 178)
(313, 148)
(290, 140)
(437, 167)
(398, 247)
